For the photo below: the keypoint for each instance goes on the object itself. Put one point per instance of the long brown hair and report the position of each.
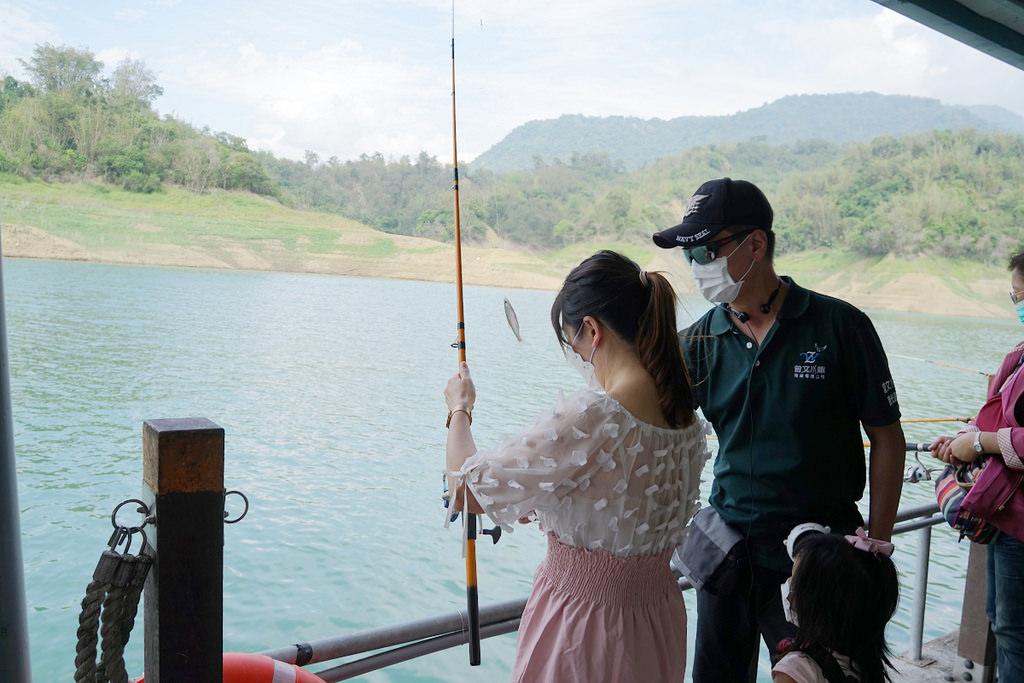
(640, 308)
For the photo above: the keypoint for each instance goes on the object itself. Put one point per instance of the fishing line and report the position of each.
(935, 362)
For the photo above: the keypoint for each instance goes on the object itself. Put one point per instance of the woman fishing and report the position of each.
(1001, 435)
(611, 473)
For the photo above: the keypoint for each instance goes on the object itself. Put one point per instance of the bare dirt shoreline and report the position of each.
(872, 287)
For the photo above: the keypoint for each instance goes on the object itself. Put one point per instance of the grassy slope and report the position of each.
(231, 230)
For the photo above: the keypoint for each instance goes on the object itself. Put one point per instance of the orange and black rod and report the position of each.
(472, 597)
(461, 327)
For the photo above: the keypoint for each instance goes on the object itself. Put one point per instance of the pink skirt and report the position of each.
(596, 617)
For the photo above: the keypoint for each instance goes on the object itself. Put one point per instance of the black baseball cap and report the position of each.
(715, 206)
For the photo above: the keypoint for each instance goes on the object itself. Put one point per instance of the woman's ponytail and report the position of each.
(657, 344)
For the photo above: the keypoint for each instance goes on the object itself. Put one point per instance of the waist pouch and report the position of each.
(711, 552)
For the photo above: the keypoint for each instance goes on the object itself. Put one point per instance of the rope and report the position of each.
(110, 653)
(89, 619)
(108, 614)
(118, 629)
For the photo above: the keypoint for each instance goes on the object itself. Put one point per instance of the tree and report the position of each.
(64, 70)
(132, 82)
(23, 131)
(11, 91)
(194, 165)
(241, 171)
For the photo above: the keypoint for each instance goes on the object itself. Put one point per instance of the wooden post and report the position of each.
(183, 470)
(976, 647)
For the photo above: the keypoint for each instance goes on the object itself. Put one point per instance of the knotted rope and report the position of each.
(110, 605)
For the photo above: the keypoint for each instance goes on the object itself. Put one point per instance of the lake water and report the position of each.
(330, 393)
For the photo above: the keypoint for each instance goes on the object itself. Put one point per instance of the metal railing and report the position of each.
(920, 519)
(412, 639)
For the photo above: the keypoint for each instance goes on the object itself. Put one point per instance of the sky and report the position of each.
(343, 78)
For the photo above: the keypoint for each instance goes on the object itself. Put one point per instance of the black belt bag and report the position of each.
(711, 553)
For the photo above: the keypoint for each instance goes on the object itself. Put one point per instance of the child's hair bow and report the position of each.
(872, 545)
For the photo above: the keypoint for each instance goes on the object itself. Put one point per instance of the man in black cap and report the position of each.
(786, 377)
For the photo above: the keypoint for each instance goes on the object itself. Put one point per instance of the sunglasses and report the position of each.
(706, 253)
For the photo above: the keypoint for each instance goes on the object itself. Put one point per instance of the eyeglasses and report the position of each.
(1016, 296)
(706, 253)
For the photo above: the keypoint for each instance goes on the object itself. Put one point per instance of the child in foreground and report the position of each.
(843, 592)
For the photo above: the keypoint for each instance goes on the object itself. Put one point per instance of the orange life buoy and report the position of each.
(246, 668)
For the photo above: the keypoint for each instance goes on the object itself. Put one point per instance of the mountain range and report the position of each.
(838, 118)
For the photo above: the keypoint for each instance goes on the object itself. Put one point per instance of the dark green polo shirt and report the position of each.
(787, 413)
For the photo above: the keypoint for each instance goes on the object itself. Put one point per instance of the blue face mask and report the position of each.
(1020, 311)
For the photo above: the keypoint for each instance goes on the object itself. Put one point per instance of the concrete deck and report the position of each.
(938, 660)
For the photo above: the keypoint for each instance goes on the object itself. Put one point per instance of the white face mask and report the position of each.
(585, 367)
(713, 279)
(787, 608)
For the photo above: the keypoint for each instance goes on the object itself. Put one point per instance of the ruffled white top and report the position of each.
(595, 476)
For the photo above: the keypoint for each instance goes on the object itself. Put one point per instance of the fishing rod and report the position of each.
(926, 419)
(947, 365)
(469, 519)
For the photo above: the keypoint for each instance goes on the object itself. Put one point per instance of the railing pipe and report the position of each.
(349, 670)
(919, 524)
(917, 512)
(327, 649)
(924, 545)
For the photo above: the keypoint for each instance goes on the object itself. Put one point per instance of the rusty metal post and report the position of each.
(183, 474)
(976, 647)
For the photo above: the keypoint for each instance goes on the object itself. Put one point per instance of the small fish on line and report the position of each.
(513, 321)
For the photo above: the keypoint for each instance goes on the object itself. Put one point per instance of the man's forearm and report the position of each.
(886, 465)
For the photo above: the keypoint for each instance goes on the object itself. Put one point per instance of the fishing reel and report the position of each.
(915, 473)
(918, 471)
(494, 533)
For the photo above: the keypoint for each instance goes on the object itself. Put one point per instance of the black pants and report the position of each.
(730, 625)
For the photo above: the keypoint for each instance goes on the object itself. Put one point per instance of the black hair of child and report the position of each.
(843, 598)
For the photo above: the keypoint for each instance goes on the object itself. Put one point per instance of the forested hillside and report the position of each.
(71, 122)
(954, 193)
(840, 118)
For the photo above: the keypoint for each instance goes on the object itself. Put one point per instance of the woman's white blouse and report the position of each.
(595, 476)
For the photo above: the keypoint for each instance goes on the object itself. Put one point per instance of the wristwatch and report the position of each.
(977, 443)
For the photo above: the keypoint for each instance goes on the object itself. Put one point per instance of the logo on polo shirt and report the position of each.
(889, 389)
(810, 367)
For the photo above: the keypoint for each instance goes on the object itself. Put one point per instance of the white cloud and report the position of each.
(20, 31)
(345, 77)
(336, 100)
(113, 56)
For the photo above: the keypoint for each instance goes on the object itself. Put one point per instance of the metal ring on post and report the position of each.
(244, 512)
(142, 509)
